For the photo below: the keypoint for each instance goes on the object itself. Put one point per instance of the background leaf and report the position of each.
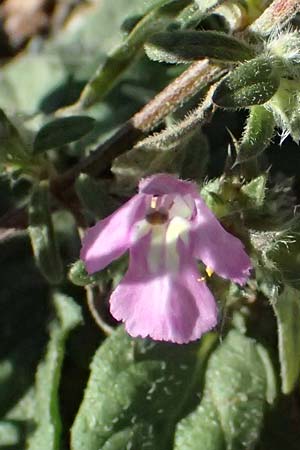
(42, 235)
(62, 131)
(12, 148)
(47, 434)
(23, 317)
(119, 60)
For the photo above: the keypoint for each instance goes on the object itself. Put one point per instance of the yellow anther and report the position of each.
(209, 271)
(153, 202)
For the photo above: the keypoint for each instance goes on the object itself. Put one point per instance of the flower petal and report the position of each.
(163, 183)
(167, 307)
(111, 237)
(218, 249)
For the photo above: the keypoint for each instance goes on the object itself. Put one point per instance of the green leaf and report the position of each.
(57, 71)
(130, 22)
(149, 5)
(285, 253)
(9, 434)
(12, 148)
(79, 276)
(271, 382)
(136, 392)
(255, 191)
(186, 46)
(109, 72)
(208, 5)
(287, 310)
(42, 235)
(62, 131)
(94, 197)
(25, 90)
(252, 83)
(257, 135)
(194, 13)
(48, 423)
(23, 315)
(285, 107)
(230, 415)
(18, 422)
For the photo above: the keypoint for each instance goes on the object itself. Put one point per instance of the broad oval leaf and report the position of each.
(136, 392)
(187, 46)
(62, 131)
(230, 415)
(252, 83)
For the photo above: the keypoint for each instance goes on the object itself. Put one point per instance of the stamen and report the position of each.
(156, 217)
(209, 271)
(154, 202)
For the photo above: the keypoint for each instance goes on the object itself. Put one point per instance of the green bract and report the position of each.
(252, 83)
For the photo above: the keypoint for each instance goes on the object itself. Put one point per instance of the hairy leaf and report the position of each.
(79, 276)
(187, 46)
(231, 412)
(252, 83)
(257, 135)
(136, 392)
(285, 107)
(254, 191)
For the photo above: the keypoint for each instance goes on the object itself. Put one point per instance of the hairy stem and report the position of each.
(276, 16)
(170, 136)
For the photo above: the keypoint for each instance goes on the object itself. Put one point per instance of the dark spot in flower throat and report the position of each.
(157, 217)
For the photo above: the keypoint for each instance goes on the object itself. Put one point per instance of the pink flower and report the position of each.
(166, 227)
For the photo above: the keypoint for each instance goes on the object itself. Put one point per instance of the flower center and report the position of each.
(167, 220)
(157, 217)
